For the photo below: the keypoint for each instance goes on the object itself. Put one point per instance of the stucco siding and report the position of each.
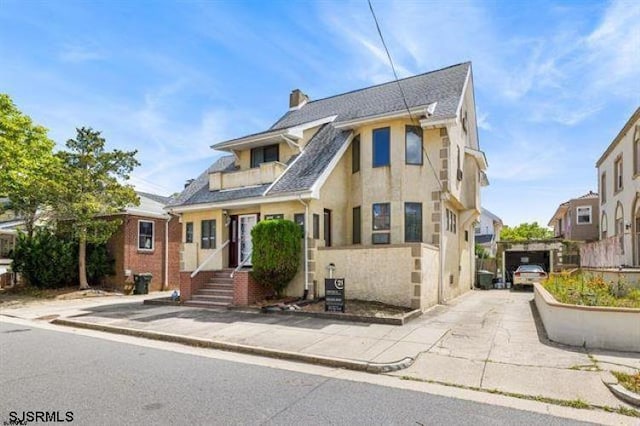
(626, 198)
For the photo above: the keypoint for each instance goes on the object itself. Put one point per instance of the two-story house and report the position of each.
(385, 182)
(487, 231)
(619, 179)
(577, 219)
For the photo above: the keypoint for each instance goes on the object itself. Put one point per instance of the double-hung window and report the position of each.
(145, 235)
(583, 215)
(617, 168)
(381, 147)
(208, 234)
(381, 222)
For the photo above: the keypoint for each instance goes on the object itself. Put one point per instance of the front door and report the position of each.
(246, 223)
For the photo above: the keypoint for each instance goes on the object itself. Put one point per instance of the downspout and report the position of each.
(442, 248)
(165, 284)
(306, 248)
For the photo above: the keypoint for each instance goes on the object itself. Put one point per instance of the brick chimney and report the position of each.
(297, 99)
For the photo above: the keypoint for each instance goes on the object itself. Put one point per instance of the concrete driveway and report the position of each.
(489, 340)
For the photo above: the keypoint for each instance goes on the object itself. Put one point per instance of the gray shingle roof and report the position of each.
(443, 86)
(224, 163)
(483, 239)
(155, 197)
(204, 196)
(312, 162)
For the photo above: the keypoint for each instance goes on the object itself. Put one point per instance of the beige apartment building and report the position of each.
(577, 219)
(385, 182)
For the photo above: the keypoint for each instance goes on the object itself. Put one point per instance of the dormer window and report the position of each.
(264, 154)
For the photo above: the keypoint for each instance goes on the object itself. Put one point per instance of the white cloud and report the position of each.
(77, 54)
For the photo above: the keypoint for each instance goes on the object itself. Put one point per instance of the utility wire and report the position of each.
(404, 98)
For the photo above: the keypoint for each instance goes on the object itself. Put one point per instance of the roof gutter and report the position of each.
(239, 203)
(479, 156)
(350, 124)
(427, 123)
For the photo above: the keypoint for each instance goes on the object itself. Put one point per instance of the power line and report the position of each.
(404, 98)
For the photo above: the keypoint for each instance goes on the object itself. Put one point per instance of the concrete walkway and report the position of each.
(489, 340)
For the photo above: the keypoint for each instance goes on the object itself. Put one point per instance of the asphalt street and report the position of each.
(103, 382)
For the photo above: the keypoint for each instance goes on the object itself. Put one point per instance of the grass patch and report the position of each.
(574, 403)
(590, 290)
(629, 381)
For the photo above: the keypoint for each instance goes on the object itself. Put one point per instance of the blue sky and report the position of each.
(555, 81)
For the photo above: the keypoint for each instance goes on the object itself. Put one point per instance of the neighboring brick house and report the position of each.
(385, 182)
(577, 219)
(148, 240)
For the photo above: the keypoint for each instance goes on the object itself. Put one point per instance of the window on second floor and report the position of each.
(264, 154)
(355, 154)
(617, 172)
(603, 188)
(413, 145)
(452, 221)
(636, 151)
(381, 147)
(583, 215)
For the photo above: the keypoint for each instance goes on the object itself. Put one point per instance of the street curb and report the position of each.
(370, 367)
(624, 394)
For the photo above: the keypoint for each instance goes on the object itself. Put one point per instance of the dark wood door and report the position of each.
(233, 241)
(327, 228)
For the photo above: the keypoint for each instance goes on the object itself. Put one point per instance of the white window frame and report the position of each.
(578, 215)
(153, 235)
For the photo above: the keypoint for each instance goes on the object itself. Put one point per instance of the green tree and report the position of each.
(525, 231)
(29, 170)
(276, 253)
(92, 190)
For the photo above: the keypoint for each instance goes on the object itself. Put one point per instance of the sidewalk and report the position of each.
(488, 340)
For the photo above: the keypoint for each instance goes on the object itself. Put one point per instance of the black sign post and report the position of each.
(334, 294)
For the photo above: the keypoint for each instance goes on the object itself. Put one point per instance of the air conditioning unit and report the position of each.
(459, 174)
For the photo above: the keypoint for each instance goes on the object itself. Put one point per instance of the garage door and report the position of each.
(513, 259)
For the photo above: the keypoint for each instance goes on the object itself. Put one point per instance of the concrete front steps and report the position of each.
(217, 293)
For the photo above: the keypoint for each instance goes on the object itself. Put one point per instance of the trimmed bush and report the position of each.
(276, 253)
(45, 260)
(50, 260)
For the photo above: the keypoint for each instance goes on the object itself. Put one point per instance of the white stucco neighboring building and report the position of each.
(487, 231)
(619, 183)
